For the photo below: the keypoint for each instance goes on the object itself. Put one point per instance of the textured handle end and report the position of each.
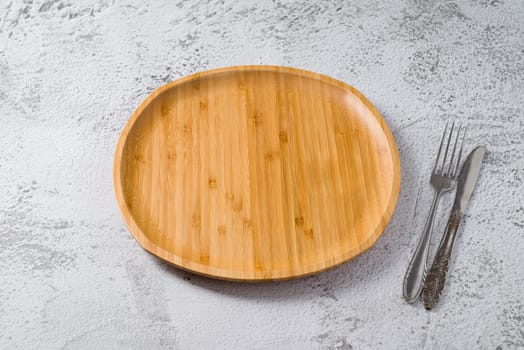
(435, 282)
(436, 279)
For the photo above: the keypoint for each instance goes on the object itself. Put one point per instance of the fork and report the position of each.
(443, 177)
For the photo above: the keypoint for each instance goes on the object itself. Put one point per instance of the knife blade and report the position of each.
(468, 178)
(436, 279)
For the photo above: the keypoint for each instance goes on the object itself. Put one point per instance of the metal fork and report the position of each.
(442, 179)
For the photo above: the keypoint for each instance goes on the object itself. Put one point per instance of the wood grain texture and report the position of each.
(256, 173)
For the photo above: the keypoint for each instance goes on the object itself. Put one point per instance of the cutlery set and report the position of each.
(419, 279)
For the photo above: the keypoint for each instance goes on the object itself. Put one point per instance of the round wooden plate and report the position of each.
(256, 173)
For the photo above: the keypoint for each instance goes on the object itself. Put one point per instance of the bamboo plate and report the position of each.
(256, 173)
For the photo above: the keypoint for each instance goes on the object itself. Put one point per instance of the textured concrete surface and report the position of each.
(71, 73)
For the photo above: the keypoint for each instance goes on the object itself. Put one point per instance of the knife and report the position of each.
(436, 279)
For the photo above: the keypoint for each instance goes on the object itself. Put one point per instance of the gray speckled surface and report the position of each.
(71, 73)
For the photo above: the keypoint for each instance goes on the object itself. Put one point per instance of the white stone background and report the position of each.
(72, 72)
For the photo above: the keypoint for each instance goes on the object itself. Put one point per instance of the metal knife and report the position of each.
(436, 278)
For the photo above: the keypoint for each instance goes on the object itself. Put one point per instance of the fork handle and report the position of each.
(436, 278)
(416, 273)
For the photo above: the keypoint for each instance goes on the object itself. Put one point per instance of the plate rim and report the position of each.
(238, 275)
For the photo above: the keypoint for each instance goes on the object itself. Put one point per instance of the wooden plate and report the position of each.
(256, 173)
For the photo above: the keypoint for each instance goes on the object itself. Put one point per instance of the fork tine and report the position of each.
(447, 148)
(460, 152)
(440, 147)
(450, 167)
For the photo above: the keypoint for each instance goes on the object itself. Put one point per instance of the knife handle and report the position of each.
(436, 278)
